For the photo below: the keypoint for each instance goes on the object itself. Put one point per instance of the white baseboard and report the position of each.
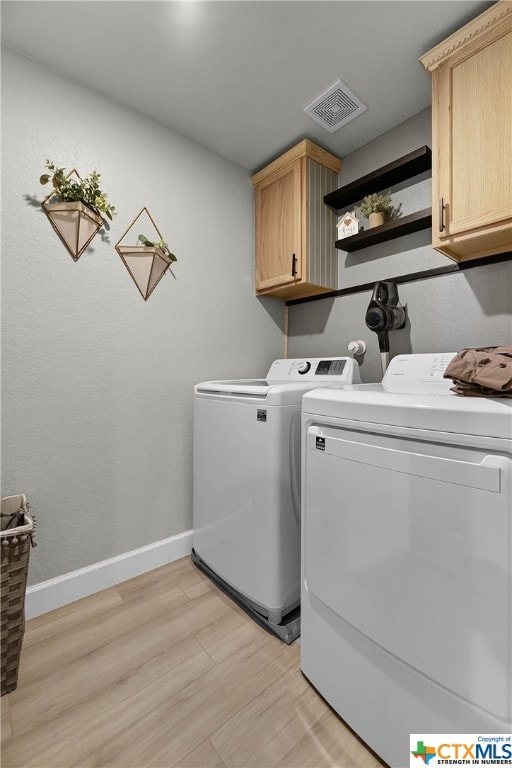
(54, 593)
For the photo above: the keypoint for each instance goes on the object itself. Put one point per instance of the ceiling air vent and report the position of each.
(335, 107)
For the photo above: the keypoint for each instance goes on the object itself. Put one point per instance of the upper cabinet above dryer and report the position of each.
(472, 137)
(295, 231)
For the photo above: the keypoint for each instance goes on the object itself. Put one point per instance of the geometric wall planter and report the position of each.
(75, 223)
(146, 264)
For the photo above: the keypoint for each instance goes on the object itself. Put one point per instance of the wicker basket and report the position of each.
(15, 550)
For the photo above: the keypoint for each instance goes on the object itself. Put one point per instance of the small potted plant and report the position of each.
(377, 208)
(74, 207)
(148, 260)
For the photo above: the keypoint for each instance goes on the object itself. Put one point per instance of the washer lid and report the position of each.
(254, 391)
(244, 387)
(286, 381)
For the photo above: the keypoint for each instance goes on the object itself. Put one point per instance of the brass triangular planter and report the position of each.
(75, 224)
(146, 266)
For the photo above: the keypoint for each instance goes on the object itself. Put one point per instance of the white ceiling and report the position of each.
(235, 76)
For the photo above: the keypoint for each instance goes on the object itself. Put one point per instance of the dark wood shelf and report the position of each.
(393, 173)
(415, 222)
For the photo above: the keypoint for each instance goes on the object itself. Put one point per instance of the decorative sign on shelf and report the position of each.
(148, 260)
(348, 225)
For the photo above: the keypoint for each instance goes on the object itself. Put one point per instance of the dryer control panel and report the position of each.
(426, 367)
(334, 370)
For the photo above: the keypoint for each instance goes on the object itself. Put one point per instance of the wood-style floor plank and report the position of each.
(166, 671)
(105, 664)
(228, 634)
(329, 743)
(285, 712)
(203, 755)
(65, 740)
(63, 649)
(65, 618)
(5, 711)
(167, 734)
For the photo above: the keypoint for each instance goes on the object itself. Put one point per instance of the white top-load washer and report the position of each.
(246, 509)
(407, 552)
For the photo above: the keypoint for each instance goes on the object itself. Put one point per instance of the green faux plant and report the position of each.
(86, 190)
(377, 203)
(160, 244)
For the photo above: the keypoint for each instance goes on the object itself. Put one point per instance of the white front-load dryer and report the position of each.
(407, 556)
(246, 500)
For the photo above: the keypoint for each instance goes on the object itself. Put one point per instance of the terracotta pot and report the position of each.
(376, 219)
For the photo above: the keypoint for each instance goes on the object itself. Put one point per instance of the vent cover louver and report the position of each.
(335, 107)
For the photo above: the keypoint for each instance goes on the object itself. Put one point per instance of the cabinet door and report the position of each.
(472, 127)
(279, 202)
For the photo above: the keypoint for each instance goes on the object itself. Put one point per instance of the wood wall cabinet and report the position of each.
(295, 232)
(472, 137)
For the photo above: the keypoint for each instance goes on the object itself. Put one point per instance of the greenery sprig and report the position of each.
(160, 244)
(86, 190)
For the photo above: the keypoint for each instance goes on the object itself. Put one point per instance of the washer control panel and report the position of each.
(330, 367)
(334, 370)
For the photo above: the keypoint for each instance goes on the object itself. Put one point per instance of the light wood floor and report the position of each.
(165, 670)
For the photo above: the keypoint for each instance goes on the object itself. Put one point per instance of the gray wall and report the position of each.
(96, 383)
(471, 308)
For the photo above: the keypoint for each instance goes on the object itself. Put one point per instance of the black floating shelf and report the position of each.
(396, 228)
(393, 173)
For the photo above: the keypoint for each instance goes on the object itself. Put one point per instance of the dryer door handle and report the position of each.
(474, 475)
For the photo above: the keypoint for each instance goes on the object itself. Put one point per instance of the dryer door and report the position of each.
(410, 543)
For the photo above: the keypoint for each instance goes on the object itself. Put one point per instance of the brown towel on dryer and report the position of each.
(483, 372)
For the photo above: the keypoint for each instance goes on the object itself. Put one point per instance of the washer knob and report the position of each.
(304, 367)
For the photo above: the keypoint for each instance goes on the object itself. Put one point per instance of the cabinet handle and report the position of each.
(294, 265)
(441, 214)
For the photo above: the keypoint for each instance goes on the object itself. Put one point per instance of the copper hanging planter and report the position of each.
(75, 223)
(146, 265)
